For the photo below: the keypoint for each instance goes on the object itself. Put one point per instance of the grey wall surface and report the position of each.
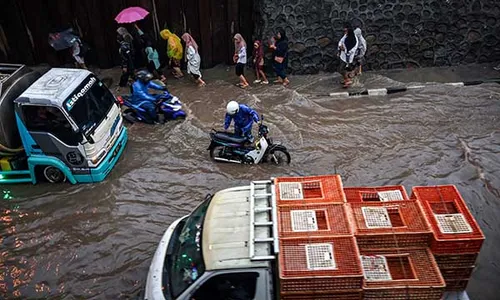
(400, 33)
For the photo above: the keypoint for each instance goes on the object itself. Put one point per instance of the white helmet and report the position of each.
(232, 107)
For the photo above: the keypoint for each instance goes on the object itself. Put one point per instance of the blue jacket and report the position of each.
(243, 119)
(141, 94)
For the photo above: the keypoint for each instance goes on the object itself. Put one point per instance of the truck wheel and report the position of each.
(53, 174)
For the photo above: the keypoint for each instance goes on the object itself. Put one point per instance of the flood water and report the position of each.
(96, 241)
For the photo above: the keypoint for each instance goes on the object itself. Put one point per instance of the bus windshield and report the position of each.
(186, 264)
(90, 104)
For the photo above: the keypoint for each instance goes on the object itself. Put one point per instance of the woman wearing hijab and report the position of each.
(174, 51)
(193, 58)
(280, 56)
(348, 46)
(240, 58)
(153, 59)
(258, 62)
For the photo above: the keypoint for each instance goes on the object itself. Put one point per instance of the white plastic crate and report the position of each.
(375, 268)
(303, 220)
(452, 223)
(376, 217)
(320, 257)
(291, 191)
(394, 195)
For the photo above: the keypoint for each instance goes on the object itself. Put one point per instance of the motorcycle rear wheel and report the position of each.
(216, 151)
(279, 157)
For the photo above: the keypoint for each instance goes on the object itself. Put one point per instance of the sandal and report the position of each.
(244, 86)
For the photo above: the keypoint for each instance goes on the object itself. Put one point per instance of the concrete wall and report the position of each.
(400, 33)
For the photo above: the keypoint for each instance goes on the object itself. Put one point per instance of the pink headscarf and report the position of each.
(239, 42)
(188, 39)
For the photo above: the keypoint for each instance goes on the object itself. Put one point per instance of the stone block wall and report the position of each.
(399, 33)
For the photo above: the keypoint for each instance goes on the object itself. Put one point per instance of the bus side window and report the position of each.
(230, 286)
(51, 120)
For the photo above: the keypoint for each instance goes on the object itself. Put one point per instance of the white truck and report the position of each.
(225, 249)
(59, 125)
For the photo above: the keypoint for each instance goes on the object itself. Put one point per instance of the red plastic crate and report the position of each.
(449, 261)
(456, 285)
(413, 275)
(369, 194)
(313, 220)
(325, 189)
(384, 225)
(319, 273)
(456, 273)
(314, 295)
(437, 201)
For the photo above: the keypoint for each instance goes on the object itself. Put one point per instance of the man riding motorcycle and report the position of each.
(243, 117)
(141, 96)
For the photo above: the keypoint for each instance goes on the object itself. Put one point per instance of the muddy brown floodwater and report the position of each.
(96, 241)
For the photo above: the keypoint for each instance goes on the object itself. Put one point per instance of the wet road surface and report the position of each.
(96, 241)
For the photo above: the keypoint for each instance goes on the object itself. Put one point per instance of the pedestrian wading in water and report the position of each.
(193, 58)
(153, 58)
(258, 62)
(174, 51)
(240, 58)
(127, 54)
(280, 56)
(360, 53)
(347, 48)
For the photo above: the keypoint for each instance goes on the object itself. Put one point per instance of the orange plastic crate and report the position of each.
(313, 220)
(314, 295)
(437, 201)
(385, 225)
(325, 189)
(304, 266)
(369, 194)
(413, 274)
(456, 285)
(454, 274)
(449, 261)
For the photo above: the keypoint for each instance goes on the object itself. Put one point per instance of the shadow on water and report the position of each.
(96, 241)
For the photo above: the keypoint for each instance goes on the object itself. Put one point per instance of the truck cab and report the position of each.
(66, 124)
(206, 255)
(226, 248)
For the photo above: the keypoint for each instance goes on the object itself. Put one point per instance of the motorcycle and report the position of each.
(168, 107)
(228, 147)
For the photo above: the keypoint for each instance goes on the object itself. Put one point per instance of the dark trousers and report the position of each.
(125, 76)
(279, 68)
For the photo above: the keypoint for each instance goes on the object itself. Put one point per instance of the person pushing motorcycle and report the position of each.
(141, 95)
(243, 117)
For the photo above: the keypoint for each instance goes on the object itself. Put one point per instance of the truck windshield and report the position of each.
(186, 265)
(90, 104)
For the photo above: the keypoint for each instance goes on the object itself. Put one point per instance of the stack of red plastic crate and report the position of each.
(457, 239)
(393, 237)
(318, 256)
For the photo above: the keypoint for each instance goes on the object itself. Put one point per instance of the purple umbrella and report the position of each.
(131, 15)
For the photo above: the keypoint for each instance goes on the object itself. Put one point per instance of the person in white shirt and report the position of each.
(360, 54)
(240, 58)
(347, 48)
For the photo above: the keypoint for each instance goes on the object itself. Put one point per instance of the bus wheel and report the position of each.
(53, 174)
